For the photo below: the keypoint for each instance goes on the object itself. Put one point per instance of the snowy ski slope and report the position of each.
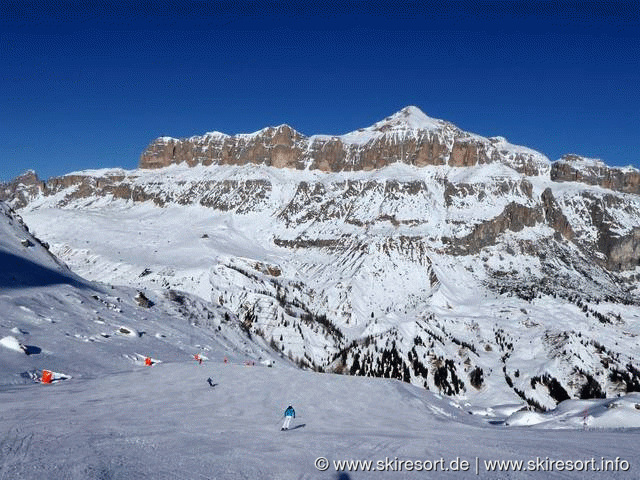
(165, 422)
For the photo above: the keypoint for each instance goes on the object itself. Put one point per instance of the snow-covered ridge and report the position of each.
(26, 260)
(409, 118)
(579, 162)
(409, 121)
(409, 136)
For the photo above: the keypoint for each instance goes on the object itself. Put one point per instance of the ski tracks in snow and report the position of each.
(15, 447)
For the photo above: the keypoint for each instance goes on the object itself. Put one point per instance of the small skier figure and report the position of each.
(289, 413)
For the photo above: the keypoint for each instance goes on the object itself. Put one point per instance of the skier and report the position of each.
(289, 413)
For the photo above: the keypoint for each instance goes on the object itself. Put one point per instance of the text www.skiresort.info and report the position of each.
(476, 464)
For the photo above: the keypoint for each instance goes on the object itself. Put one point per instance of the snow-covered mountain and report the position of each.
(409, 137)
(108, 415)
(409, 249)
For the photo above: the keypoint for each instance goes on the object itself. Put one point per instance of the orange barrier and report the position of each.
(47, 376)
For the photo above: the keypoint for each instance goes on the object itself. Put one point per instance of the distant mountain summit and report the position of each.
(408, 136)
(409, 118)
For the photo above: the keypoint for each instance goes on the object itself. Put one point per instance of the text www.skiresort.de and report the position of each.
(476, 464)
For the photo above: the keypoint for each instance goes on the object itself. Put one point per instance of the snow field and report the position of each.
(167, 422)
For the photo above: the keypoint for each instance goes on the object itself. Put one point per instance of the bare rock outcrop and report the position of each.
(573, 168)
(623, 252)
(280, 147)
(513, 218)
(21, 189)
(554, 216)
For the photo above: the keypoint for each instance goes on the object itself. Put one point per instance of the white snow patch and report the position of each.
(621, 412)
(12, 343)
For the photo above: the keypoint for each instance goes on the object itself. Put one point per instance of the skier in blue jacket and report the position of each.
(289, 413)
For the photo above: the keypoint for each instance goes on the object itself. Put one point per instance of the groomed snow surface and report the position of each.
(167, 422)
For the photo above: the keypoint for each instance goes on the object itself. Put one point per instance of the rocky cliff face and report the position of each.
(22, 189)
(573, 168)
(409, 137)
(408, 249)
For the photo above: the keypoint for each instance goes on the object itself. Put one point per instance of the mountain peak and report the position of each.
(579, 160)
(409, 118)
(411, 111)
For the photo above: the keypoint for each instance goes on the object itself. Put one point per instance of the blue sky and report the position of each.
(90, 86)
